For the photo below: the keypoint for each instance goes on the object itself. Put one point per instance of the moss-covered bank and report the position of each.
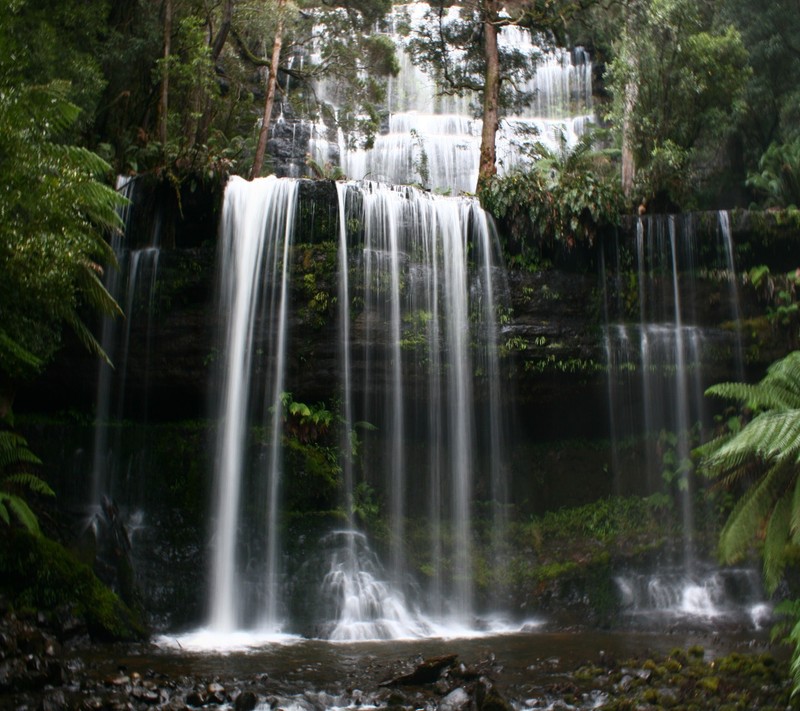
(39, 575)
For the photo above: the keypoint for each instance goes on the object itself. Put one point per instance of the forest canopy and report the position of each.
(693, 93)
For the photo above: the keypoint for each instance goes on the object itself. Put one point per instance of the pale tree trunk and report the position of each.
(491, 96)
(164, 99)
(272, 82)
(628, 160)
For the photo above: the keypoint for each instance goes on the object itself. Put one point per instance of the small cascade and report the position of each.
(416, 347)
(133, 286)
(657, 363)
(726, 239)
(703, 597)
(432, 138)
(362, 604)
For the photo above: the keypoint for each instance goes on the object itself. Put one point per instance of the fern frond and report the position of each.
(794, 523)
(85, 336)
(786, 371)
(14, 450)
(705, 450)
(777, 534)
(22, 512)
(96, 293)
(31, 482)
(4, 513)
(22, 359)
(771, 435)
(764, 395)
(745, 521)
(779, 389)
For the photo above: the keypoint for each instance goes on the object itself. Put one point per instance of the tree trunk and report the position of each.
(491, 95)
(6, 398)
(272, 81)
(164, 99)
(216, 49)
(628, 161)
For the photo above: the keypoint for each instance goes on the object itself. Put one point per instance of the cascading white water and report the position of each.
(432, 139)
(423, 319)
(656, 366)
(417, 306)
(257, 228)
(702, 597)
(133, 286)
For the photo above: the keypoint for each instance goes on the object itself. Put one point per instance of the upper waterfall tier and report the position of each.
(432, 138)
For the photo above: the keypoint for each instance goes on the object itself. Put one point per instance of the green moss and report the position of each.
(40, 574)
(550, 571)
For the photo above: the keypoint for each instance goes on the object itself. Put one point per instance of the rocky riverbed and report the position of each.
(48, 664)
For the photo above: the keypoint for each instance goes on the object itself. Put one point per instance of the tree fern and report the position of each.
(775, 540)
(57, 214)
(766, 453)
(17, 479)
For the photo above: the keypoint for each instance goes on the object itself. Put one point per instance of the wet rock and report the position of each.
(215, 693)
(147, 696)
(54, 701)
(196, 698)
(175, 704)
(456, 700)
(489, 698)
(427, 672)
(246, 701)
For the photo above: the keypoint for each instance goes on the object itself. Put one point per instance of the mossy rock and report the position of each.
(38, 574)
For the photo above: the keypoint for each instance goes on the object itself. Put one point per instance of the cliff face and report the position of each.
(552, 323)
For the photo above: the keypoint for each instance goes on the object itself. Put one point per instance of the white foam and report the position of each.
(208, 640)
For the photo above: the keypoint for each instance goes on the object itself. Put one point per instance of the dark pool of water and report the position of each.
(521, 664)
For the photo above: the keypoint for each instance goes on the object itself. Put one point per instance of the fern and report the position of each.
(22, 512)
(767, 453)
(775, 540)
(17, 478)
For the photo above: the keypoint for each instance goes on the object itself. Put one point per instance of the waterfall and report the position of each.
(257, 228)
(431, 138)
(133, 286)
(656, 364)
(415, 289)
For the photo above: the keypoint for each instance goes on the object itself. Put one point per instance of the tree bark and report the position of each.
(272, 81)
(491, 95)
(163, 103)
(628, 160)
(217, 45)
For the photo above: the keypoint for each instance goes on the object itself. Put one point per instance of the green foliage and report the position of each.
(46, 40)
(677, 82)
(315, 269)
(303, 422)
(787, 630)
(54, 216)
(762, 457)
(604, 520)
(779, 291)
(327, 171)
(562, 198)
(770, 101)
(366, 507)
(18, 480)
(778, 178)
(39, 574)
(675, 469)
